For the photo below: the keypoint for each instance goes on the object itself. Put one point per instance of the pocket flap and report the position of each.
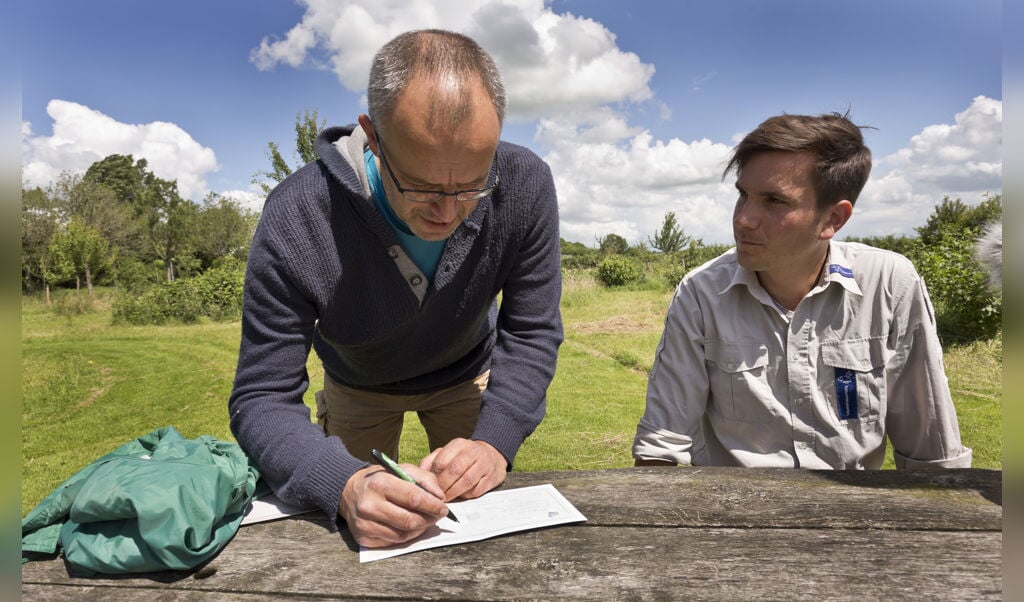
(736, 357)
(862, 355)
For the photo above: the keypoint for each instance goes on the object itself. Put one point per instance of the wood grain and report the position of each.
(652, 533)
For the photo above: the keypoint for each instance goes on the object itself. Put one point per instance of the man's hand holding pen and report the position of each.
(382, 510)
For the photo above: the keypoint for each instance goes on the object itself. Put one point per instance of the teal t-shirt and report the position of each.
(426, 254)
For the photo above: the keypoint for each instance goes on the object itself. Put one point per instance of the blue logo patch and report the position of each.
(846, 393)
(835, 268)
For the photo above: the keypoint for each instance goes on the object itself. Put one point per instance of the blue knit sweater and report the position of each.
(326, 271)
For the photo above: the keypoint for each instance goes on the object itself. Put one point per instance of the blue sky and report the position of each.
(633, 104)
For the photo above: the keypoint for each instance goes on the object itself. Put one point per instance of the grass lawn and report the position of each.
(88, 386)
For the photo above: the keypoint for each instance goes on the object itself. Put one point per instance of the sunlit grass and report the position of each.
(89, 386)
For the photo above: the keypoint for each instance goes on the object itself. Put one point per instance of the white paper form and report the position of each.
(270, 507)
(495, 513)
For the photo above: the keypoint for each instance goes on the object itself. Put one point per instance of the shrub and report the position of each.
(73, 303)
(966, 309)
(584, 260)
(698, 253)
(618, 271)
(132, 275)
(215, 294)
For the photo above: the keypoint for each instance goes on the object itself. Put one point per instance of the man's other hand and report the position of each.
(382, 509)
(466, 468)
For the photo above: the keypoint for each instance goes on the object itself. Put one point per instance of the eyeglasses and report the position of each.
(434, 196)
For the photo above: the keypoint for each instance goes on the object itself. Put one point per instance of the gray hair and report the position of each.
(430, 52)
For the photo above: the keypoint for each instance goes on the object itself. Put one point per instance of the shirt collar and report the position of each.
(748, 278)
(837, 270)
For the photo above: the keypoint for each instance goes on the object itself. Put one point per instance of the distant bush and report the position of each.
(132, 275)
(694, 256)
(73, 303)
(584, 260)
(698, 253)
(904, 245)
(216, 294)
(618, 271)
(966, 309)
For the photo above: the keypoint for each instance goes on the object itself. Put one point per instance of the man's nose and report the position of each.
(447, 208)
(744, 216)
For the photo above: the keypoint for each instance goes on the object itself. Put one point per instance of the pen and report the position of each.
(396, 470)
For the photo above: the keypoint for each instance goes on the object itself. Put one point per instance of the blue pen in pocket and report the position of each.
(846, 393)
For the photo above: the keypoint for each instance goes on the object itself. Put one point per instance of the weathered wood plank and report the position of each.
(587, 562)
(652, 533)
(134, 594)
(741, 497)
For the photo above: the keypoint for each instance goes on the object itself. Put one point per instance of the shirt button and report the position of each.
(392, 253)
(416, 280)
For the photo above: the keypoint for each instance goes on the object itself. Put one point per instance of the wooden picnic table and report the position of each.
(652, 533)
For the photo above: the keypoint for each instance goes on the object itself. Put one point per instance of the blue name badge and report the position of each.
(846, 393)
(835, 268)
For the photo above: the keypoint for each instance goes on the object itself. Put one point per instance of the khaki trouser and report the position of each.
(365, 420)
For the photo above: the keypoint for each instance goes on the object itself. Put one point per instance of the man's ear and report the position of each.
(836, 217)
(371, 133)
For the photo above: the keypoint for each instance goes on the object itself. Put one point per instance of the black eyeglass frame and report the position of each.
(472, 194)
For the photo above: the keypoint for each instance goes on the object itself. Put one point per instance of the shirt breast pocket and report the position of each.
(737, 374)
(853, 378)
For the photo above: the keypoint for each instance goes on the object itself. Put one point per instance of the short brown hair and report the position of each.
(843, 161)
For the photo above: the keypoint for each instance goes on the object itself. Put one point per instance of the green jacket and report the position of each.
(156, 503)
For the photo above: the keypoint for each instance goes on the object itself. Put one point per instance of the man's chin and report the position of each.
(434, 234)
(746, 260)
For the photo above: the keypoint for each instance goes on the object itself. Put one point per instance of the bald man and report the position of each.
(387, 256)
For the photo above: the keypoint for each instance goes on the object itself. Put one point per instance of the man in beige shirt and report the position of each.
(793, 349)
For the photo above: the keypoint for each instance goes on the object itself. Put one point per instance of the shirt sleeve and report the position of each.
(529, 329)
(267, 414)
(921, 419)
(678, 388)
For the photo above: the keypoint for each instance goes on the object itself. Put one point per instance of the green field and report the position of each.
(88, 386)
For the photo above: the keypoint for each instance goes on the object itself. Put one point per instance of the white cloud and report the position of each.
(82, 136)
(552, 63)
(612, 179)
(249, 199)
(962, 159)
(569, 75)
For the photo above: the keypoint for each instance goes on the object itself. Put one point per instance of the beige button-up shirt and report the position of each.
(740, 381)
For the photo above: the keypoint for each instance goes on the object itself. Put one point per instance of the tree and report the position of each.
(170, 221)
(104, 203)
(163, 219)
(39, 219)
(124, 176)
(612, 244)
(78, 250)
(307, 128)
(576, 255)
(223, 228)
(955, 215)
(903, 245)
(671, 238)
(573, 248)
(966, 309)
